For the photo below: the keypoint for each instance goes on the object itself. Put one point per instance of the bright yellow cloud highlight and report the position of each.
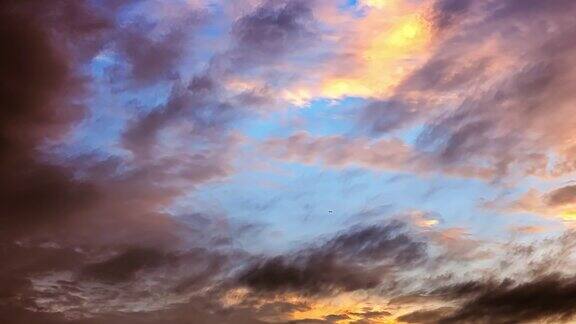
(386, 48)
(537, 203)
(409, 34)
(350, 305)
(427, 223)
(341, 87)
(568, 215)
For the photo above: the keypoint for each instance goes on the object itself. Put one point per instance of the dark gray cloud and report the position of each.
(533, 8)
(150, 60)
(195, 311)
(447, 12)
(41, 98)
(122, 267)
(90, 216)
(562, 196)
(441, 74)
(425, 316)
(151, 49)
(199, 103)
(386, 116)
(42, 94)
(550, 298)
(354, 260)
(309, 321)
(314, 274)
(274, 29)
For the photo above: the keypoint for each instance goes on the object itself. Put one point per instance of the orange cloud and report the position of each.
(528, 229)
(558, 204)
(383, 48)
(348, 307)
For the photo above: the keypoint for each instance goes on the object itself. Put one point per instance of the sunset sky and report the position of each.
(287, 161)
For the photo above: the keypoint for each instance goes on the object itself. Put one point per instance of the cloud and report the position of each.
(355, 260)
(42, 95)
(206, 115)
(148, 59)
(562, 196)
(40, 195)
(386, 116)
(547, 298)
(272, 30)
(72, 220)
(340, 151)
(214, 98)
(113, 235)
(425, 316)
(379, 50)
(200, 311)
(383, 154)
(122, 268)
(489, 105)
(558, 203)
(528, 229)
(447, 12)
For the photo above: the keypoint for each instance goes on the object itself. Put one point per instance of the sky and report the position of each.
(287, 161)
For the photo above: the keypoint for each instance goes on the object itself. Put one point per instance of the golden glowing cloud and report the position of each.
(422, 219)
(386, 46)
(568, 215)
(352, 305)
(427, 223)
(535, 202)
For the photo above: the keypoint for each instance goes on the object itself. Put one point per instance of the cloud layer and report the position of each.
(287, 161)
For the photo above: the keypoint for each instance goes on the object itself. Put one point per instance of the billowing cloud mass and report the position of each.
(287, 161)
(351, 261)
